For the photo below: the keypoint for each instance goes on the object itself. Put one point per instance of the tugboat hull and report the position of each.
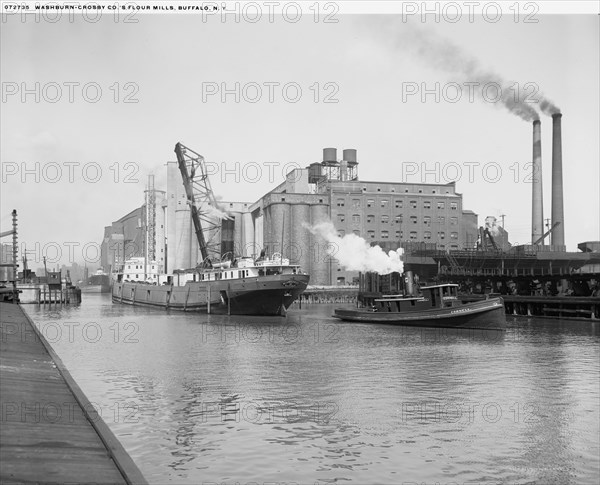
(486, 314)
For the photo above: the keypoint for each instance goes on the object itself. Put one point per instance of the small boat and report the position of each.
(436, 306)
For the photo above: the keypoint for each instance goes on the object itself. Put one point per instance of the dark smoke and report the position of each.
(447, 56)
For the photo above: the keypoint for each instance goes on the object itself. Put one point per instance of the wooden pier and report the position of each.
(562, 307)
(50, 432)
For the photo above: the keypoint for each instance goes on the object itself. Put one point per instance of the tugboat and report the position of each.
(428, 306)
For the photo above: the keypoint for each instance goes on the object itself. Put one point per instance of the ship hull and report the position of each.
(487, 314)
(95, 288)
(267, 295)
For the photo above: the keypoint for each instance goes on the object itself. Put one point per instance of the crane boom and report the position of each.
(206, 216)
(189, 192)
(537, 241)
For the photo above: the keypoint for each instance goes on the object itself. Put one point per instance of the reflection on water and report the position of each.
(307, 399)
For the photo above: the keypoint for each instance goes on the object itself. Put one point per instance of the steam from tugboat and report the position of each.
(356, 254)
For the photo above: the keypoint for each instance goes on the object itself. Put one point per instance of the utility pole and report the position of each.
(547, 227)
(502, 216)
(15, 255)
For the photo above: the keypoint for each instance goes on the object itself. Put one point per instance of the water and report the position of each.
(309, 399)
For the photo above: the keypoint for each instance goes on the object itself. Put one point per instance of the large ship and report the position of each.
(266, 286)
(227, 284)
(99, 282)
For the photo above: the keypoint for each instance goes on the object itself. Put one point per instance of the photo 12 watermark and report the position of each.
(269, 92)
(69, 172)
(53, 92)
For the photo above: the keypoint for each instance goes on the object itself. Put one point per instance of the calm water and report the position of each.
(309, 399)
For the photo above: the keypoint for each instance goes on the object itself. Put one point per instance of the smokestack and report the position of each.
(537, 209)
(558, 235)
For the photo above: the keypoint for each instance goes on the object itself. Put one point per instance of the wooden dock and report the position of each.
(49, 431)
(561, 307)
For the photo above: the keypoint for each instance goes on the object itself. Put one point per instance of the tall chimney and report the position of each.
(537, 209)
(558, 234)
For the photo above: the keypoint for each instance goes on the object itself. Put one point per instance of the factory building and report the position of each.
(379, 212)
(138, 233)
(384, 213)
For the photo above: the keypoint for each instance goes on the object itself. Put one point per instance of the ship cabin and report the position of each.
(431, 297)
(243, 269)
(397, 292)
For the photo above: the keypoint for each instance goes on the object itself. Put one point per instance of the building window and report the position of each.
(441, 235)
(406, 190)
(427, 204)
(341, 217)
(433, 191)
(441, 205)
(420, 191)
(385, 235)
(413, 235)
(454, 221)
(384, 202)
(413, 204)
(340, 202)
(385, 219)
(454, 235)
(398, 203)
(427, 235)
(370, 218)
(356, 203)
(341, 233)
(453, 206)
(370, 202)
(441, 219)
(427, 220)
(356, 232)
(398, 219)
(371, 234)
(413, 219)
(398, 234)
(442, 246)
(454, 246)
(355, 218)
(282, 200)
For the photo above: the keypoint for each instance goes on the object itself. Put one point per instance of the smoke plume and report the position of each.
(442, 54)
(356, 254)
(491, 225)
(211, 211)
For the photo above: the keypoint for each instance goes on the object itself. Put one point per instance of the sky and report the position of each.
(77, 157)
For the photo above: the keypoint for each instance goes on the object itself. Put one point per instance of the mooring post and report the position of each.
(208, 297)
(228, 299)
